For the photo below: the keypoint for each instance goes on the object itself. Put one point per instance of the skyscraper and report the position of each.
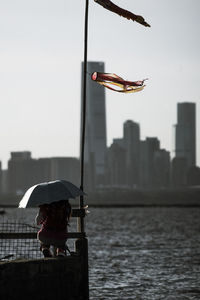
(186, 133)
(95, 135)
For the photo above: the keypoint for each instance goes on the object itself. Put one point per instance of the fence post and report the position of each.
(82, 250)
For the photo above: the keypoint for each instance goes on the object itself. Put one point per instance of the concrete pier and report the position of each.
(46, 279)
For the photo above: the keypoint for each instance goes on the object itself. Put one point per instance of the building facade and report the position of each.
(132, 146)
(24, 171)
(115, 166)
(186, 133)
(148, 148)
(161, 169)
(95, 134)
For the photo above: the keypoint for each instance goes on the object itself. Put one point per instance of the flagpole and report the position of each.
(81, 204)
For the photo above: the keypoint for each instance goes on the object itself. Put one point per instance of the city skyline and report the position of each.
(40, 56)
(118, 139)
(129, 162)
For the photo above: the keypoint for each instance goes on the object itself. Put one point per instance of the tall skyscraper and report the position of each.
(95, 135)
(186, 133)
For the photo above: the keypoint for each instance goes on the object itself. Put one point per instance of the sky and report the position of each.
(41, 49)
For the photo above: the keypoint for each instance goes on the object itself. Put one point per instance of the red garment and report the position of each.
(55, 219)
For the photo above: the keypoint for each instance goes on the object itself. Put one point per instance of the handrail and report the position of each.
(33, 235)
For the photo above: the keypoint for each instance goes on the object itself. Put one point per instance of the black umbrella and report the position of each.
(48, 192)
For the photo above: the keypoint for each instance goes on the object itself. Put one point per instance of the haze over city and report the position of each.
(40, 70)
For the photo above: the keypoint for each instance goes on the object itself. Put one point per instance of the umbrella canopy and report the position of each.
(48, 192)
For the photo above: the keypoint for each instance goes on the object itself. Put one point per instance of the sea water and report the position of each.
(149, 253)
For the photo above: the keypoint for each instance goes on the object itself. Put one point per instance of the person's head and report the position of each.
(64, 202)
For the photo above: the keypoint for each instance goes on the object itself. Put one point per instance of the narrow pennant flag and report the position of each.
(124, 86)
(122, 12)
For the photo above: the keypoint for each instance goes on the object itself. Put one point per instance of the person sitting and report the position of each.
(54, 220)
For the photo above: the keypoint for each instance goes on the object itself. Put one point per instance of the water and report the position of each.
(142, 253)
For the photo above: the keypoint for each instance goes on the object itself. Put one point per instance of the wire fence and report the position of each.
(18, 241)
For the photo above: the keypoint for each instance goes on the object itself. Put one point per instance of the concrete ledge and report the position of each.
(44, 279)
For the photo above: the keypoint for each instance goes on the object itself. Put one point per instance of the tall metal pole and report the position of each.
(81, 225)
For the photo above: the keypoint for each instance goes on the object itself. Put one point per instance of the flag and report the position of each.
(122, 12)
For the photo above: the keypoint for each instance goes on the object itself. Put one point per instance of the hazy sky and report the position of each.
(41, 49)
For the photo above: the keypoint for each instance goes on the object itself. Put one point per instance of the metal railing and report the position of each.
(18, 240)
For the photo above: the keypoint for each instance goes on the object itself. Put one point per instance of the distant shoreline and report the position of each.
(106, 205)
(4, 206)
(185, 197)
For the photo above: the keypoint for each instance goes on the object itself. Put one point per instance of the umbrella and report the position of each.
(48, 192)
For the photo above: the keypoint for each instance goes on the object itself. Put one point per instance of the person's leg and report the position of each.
(61, 250)
(45, 243)
(45, 250)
